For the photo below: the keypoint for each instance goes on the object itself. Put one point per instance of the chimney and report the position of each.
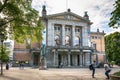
(103, 31)
(97, 30)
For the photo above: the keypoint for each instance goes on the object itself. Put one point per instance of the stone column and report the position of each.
(90, 58)
(32, 59)
(63, 34)
(96, 58)
(73, 35)
(81, 58)
(69, 52)
(56, 58)
(84, 59)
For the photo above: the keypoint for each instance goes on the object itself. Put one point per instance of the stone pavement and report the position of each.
(54, 74)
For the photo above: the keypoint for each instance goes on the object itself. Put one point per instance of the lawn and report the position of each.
(117, 73)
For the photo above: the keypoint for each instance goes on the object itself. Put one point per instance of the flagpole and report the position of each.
(66, 4)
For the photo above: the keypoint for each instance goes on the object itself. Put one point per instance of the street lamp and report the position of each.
(43, 53)
(2, 39)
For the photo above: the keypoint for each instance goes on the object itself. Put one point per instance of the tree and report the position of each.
(19, 19)
(115, 19)
(112, 49)
(5, 55)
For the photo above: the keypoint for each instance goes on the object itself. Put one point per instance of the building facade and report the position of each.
(98, 43)
(67, 39)
(67, 42)
(9, 45)
(26, 52)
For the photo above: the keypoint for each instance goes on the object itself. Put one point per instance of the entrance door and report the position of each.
(59, 59)
(36, 59)
(78, 60)
(71, 60)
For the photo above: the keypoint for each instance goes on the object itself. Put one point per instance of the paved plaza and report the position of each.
(14, 73)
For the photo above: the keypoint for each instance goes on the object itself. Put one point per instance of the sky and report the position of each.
(99, 11)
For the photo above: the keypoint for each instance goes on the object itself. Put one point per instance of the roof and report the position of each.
(68, 16)
(102, 33)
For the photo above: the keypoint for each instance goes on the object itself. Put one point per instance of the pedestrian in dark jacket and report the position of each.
(7, 66)
(93, 69)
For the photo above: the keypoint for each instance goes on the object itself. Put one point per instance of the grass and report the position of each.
(117, 73)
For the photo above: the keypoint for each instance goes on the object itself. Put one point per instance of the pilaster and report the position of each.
(63, 34)
(56, 58)
(73, 35)
(69, 52)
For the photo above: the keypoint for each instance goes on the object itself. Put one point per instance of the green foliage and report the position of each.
(112, 43)
(4, 56)
(21, 19)
(115, 19)
(118, 62)
(117, 73)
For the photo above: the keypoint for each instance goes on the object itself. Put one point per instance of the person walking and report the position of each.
(107, 70)
(93, 69)
(7, 66)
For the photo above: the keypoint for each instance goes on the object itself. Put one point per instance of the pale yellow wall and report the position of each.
(100, 44)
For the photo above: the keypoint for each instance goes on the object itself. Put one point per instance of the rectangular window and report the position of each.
(77, 30)
(58, 28)
(65, 29)
(95, 37)
(92, 37)
(55, 28)
(68, 29)
(94, 46)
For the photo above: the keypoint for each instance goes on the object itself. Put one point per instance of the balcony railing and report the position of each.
(71, 47)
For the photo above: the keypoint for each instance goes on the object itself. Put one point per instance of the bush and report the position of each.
(117, 73)
(118, 62)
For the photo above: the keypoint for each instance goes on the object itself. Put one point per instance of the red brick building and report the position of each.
(29, 55)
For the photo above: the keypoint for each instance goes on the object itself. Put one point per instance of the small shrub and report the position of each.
(117, 73)
(118, 62)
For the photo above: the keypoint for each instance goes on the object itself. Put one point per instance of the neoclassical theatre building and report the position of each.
(67, 42)
(67, 39)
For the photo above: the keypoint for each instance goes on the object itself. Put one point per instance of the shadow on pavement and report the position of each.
(8, 78)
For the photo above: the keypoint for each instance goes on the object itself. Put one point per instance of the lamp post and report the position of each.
(43, 52)
(2, 39)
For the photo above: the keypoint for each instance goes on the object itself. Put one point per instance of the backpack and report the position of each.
(91, 67)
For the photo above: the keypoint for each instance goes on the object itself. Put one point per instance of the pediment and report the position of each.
(66, 16)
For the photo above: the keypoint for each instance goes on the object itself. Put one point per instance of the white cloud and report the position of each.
(98, 10)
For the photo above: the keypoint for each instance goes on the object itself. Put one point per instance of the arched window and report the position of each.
(77, 41)
(57, 40)
(94, 45)
(67, 40)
